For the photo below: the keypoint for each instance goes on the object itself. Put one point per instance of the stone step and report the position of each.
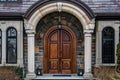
(60, 78)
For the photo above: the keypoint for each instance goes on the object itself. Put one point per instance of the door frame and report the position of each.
(45, 61)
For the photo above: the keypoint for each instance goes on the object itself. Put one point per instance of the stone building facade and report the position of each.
(59, 36)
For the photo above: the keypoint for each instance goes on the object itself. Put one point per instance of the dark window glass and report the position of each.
(0, 46)
(108, 45)
(11, 45)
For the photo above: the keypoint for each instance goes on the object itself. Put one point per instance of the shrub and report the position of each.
(118, 56)
(13, 71)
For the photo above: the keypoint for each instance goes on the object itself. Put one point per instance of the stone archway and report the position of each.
(59, 6)
(87, 23)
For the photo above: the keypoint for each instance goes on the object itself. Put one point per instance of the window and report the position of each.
(108, 55)
(11, 56)
(0, 46)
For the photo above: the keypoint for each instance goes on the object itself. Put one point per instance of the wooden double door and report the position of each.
(59, 51)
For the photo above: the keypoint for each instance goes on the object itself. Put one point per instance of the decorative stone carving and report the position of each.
(59, 5)
(91, 26)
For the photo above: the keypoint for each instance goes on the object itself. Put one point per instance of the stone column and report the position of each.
(3, 44)
(87, 54)
(31, 56)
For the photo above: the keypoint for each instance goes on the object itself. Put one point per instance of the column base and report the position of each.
(97, 65)
(30, 76)
(88, 76)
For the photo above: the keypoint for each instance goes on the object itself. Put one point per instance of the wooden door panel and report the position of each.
(53, 58)
(54, 36)
(53, 51)
(65, 36)
(66, 66)
(66, 52)
(53, 66)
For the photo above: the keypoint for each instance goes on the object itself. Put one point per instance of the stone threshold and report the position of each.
(60, 78)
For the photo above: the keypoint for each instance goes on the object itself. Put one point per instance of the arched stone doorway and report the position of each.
(72, 25)
(75, 8)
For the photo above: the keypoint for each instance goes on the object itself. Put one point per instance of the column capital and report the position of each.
(91, 26)
(29, 28)
(30, 31)
(88, 31)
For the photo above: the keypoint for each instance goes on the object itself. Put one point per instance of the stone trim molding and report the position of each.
(39, 4)
(59, 6)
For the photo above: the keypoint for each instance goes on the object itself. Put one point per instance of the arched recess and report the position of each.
(75, 7)
(51, 20)
(60, 51)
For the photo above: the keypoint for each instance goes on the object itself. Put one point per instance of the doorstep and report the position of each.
(60, 77)
(52, 77)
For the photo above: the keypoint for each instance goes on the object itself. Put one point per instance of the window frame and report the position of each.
(113, 37)
(7, 62)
